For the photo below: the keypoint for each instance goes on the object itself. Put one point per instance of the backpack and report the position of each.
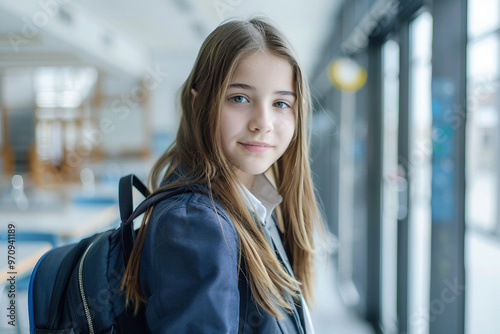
(75, 288)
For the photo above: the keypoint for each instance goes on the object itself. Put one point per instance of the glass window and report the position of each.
(482, 156)
(420, 171)
(483, 16)
(393, 184)
(482, 214)
(63, 87)
(482, 60)
(60, 96)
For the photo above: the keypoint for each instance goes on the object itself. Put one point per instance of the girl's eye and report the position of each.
(238, 99)
(281, 105)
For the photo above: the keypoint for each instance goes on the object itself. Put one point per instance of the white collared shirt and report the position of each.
(262, 198)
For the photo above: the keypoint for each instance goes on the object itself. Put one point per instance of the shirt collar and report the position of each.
(262, 198)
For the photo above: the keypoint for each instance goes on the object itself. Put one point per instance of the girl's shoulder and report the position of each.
(192, 205)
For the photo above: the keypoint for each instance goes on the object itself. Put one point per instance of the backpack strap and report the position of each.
(125, 196)
(127, 216)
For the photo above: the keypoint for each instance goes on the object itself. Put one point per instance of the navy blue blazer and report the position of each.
(189, 273)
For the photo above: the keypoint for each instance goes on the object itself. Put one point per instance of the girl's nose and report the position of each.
(261, 119)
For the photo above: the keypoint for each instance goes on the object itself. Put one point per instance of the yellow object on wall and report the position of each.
(345, 74)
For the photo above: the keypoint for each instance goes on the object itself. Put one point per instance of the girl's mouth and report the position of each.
(256, 146)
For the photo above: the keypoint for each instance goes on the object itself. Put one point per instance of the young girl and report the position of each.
(234, 253)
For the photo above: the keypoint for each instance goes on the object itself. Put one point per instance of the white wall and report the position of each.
(164, 110)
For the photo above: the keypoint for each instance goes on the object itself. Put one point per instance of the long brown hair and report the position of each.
(197, 148)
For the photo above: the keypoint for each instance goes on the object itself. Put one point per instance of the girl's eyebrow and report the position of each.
(241, 85)
(245, 86)
(286, 92)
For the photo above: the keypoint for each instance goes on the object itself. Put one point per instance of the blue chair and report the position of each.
(32, 237)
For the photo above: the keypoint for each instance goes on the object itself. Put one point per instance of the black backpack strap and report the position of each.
(125, 195)
(126, 204)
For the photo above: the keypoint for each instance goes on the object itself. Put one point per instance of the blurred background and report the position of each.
(405, 141)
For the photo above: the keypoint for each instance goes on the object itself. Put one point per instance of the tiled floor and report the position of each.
(330, 316)
(482, 300)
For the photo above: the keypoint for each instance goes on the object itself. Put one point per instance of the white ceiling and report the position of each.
(182, 25)
(162, 27)
(38, 49)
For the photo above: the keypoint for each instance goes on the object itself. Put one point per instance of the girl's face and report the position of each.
(258, 114)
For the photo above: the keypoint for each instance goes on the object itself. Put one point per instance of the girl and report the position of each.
(234, 253)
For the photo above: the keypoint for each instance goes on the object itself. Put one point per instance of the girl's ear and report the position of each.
(193, 93)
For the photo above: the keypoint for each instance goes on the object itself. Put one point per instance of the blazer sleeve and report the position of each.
(193, 276)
